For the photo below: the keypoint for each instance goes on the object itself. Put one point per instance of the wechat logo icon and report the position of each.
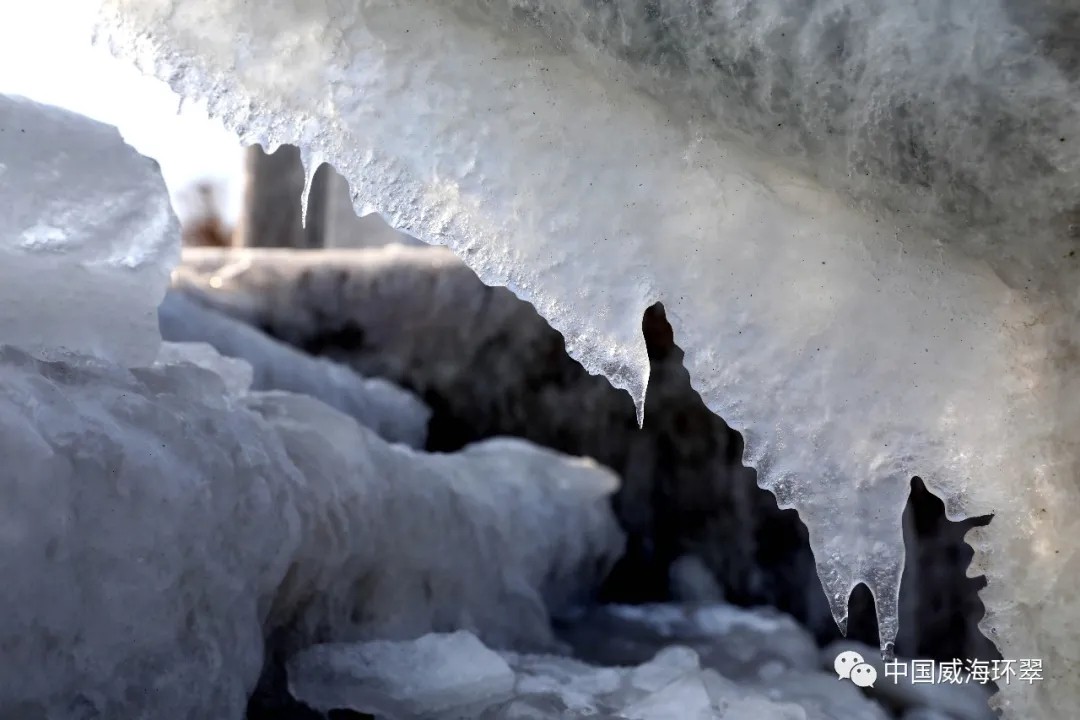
(850, 665)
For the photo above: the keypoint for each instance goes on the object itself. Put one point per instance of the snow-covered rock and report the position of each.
(87, 236)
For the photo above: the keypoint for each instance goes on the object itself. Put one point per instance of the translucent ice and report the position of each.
(237, 374)
(423, 678)
(861, 219)
(87, 236)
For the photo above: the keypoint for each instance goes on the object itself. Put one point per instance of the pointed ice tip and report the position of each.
(888, 650)
(311, 165)
(639, 407)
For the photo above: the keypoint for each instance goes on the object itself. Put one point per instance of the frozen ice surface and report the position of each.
(861, 219)
(452, 676)
(754, 655)
(394, 413)
(684, 699)
(432, 675)
(341, 228)
(236, 374)
(156, 528)
(740, 643)
(87, 236)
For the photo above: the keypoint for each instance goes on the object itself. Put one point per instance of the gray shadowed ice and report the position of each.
(395, 414)
(156, 529)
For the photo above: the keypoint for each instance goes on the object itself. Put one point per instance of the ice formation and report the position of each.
(404, 679)
(155, 530)
(860, 217)
(450, 676)
(159, 522)
(395, 414)
(87, 236)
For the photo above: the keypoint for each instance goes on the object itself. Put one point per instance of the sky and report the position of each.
(46, 54)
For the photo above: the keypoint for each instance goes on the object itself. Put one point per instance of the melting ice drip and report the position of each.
(860, 218)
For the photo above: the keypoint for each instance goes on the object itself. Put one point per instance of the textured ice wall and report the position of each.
(156, 529)
(860, 218)
(87, 236)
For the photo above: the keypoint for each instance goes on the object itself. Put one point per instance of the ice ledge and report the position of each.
(854, 346)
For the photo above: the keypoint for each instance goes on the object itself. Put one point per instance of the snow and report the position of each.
(87, 236)
(860, 220)
(393, 413)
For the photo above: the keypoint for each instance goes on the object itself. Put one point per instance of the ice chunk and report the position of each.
(683, 699)
(861, 221)
(427, 677)
(87, 236)
(757, 656)
(235, 373)
(156, 529)
(566, 683)
(672, 684)
(395, 414)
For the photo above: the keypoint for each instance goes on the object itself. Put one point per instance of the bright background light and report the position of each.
(46, 54)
